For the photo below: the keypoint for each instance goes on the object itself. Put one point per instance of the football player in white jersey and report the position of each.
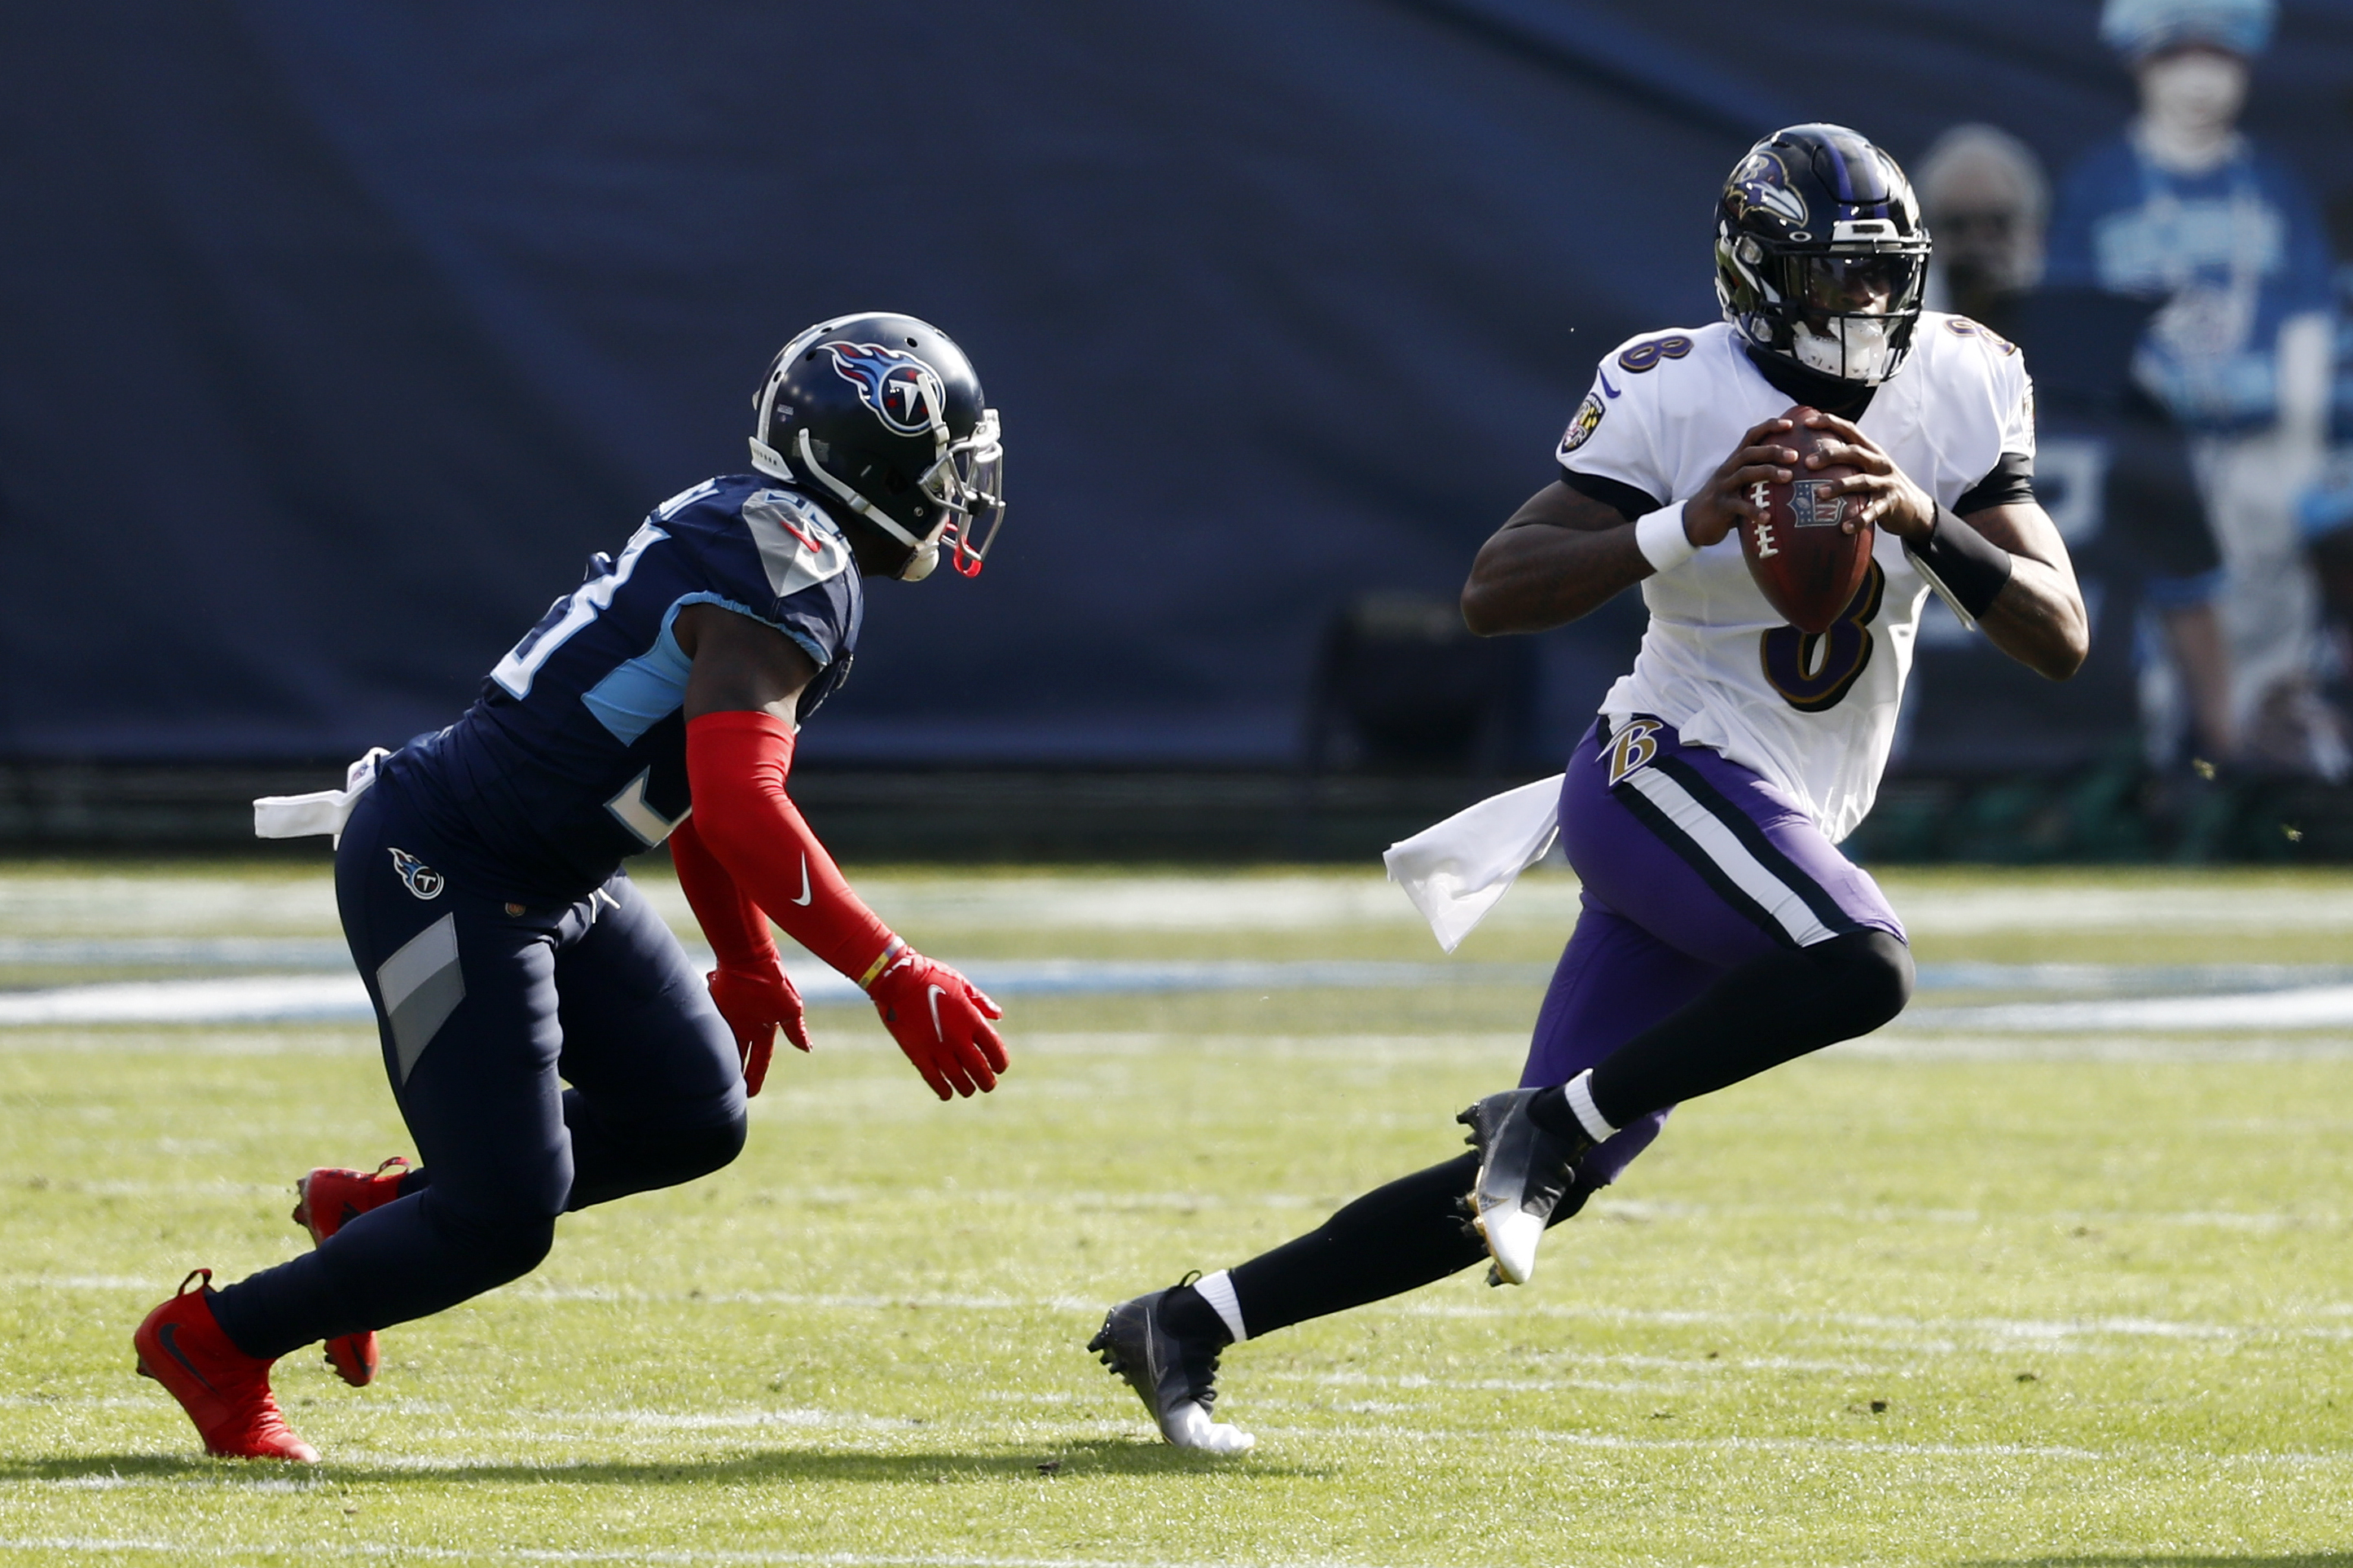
(1723, 932)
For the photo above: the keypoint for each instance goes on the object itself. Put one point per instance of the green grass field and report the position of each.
(1941, 1297)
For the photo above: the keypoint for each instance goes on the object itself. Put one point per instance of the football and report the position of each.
(1807, 565)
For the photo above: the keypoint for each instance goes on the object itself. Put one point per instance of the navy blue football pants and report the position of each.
(483, 1005)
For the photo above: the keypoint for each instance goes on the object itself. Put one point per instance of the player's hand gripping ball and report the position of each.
(1808, 544)
(756, 1003)
(941, 1020)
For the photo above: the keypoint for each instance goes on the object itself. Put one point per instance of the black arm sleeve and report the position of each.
(1630, 501)
(2013, 479)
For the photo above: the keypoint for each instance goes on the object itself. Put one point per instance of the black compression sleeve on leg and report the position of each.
(1389, 1241)
(1394, 1238)
(1759, 1015)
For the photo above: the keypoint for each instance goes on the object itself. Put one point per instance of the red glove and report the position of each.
(941, 1020)
(756, 1004)
(750, 987)
(736, 764)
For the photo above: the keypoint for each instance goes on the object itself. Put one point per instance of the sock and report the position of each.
(1217, 1291)
(1568, 1113)
(1190, 1315)
(1757, 1016)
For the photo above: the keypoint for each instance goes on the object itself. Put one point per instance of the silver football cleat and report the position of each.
(1523, 1173)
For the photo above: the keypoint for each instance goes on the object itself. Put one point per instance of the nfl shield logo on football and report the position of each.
(1811, 508)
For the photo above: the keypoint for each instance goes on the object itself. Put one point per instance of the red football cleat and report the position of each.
(326, 1201)
(224, 1391)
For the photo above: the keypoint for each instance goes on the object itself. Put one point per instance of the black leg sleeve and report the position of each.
(1759, 1015)
(1393, 1239)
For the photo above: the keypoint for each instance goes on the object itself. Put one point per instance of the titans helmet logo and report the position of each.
(903, 392)
(1762, 183)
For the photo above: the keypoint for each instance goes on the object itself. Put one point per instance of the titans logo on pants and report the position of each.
(420, 879)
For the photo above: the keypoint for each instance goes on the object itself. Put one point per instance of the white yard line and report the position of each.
(2005, 1332)
(309, 1549)
(1999, 1335)
(172, 905)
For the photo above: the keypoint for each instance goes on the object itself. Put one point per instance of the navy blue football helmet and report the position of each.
(1821, 256)
(882, 416)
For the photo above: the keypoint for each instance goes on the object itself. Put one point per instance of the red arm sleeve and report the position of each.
(736, 929)
(736, 764)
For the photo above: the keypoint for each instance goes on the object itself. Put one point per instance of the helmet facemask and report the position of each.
(1853, 316)
(968, 481)
(958, 500)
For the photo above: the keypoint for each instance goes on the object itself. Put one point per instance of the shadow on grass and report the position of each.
(2173, 1560)
(1048, 1463)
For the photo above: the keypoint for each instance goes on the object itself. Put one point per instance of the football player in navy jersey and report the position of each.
(506, 951)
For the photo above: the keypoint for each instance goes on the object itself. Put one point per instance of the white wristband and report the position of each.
(1660, 536)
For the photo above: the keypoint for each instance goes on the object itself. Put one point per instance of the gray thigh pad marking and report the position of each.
(421, 985)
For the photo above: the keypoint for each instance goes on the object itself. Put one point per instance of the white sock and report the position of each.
(1580, 1101)
(1217, 1291)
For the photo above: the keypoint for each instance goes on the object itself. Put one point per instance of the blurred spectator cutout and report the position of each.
(2328, 512)
(2187, 213)
(2112, 468)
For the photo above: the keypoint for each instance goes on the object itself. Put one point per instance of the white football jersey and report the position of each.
(1814, 715)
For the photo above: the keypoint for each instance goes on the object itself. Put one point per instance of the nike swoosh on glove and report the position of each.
(756, 1003)
(941, 1020)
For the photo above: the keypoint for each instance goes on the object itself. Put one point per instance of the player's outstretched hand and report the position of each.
(1733, 491)
(1890, 500)
(941, 1020)
(756, 1003)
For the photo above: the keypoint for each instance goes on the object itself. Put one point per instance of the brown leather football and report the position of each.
(1808, 565)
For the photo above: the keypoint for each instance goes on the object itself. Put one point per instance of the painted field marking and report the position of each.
(313, 1549)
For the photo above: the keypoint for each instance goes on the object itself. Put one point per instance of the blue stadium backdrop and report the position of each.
(333, 338)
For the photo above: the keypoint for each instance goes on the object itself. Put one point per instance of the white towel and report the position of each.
(321, 811)
(1458, 869)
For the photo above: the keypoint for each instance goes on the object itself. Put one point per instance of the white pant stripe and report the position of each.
(1718, 843)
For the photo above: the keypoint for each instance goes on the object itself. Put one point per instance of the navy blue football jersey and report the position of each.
(573, 756)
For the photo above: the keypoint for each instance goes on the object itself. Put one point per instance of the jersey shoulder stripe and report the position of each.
(799, 546)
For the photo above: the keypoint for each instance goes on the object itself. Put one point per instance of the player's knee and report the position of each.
(1868, 975)
(677, 1154)
(514, 1250)
(714, 1148)
(496, 1247)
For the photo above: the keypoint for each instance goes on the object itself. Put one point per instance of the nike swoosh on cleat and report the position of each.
(804, 898)
(936, 995)
(168, 1336)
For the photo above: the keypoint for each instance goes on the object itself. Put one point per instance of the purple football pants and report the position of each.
(1691, 865)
